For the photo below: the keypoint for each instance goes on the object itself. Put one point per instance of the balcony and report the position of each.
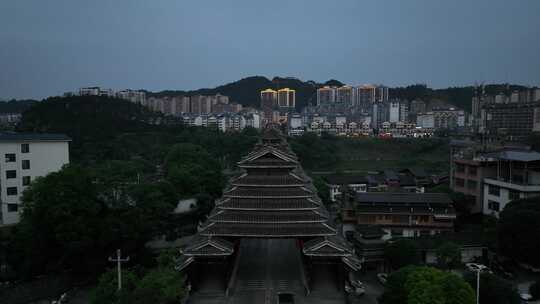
(512, 185)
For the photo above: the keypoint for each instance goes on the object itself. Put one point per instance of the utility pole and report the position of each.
(478, 287)
(119, 261)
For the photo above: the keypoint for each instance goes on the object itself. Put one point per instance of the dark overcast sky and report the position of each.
(48, 47)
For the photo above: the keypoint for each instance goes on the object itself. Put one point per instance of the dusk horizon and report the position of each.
(188, 46)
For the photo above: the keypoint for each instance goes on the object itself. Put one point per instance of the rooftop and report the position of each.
(389, 197)
(346, 179)
(523, 156)
(13, 136)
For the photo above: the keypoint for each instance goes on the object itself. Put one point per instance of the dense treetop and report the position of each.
(426, 285)
(16, 106)
(517, 228)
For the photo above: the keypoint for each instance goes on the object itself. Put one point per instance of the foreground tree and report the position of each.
(401, 253)
(448, 255)
(162, 285)
(61, 225)
(69, 223)
(106, 291)
(192, 170)
(493, 289)
(426, 285)
(518, 227)
(534, 290)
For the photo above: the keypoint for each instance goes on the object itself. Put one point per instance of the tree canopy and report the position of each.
(69, 221)
(192, 170)
(426, 285)
(448, 255)
(518, 228)
(401, 253)
(493, 289)
(161, 284)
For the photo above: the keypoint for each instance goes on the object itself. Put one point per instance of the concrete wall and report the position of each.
(45, 157)
(468, 254)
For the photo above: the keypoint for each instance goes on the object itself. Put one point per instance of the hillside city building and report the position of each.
(492, 176)
(26, 156)
(511, 116)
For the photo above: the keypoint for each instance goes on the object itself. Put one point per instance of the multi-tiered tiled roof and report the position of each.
(272, 198)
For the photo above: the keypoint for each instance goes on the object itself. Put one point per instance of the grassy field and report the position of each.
(377, 154)
(360, 155)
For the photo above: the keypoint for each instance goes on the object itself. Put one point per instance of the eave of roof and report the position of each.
(30, 137)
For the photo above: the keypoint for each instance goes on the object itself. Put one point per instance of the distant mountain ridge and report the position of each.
(246, 91)
(16, 106)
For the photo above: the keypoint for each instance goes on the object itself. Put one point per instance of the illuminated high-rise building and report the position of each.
(326, 95)
(365, 96)
(286, 98)
(268, 103)
(345, 95)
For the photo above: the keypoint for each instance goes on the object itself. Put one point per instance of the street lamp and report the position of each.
(478, 286)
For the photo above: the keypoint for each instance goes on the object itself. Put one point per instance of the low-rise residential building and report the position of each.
(338, 183)
(468, 168)
(401, 214)
(26, 156)
(448, 118)
(223, 121)
(10, 118)
(517, 176)
(96, 91)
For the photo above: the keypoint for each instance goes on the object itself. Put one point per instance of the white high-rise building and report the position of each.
(393, 111)
(286, 98)
(138, 97)
(24, 157)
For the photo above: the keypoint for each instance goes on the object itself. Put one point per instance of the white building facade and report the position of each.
(24, 158)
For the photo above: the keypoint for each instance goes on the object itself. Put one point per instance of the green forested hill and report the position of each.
(86, 119)
(16, 106)
(247, 91)
(459, 97)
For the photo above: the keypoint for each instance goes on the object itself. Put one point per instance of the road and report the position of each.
(267, 267)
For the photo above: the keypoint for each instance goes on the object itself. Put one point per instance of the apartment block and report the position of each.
(26, 156)
(517, 176)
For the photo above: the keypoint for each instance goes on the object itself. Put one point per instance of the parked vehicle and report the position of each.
(354, 291)
(348, 288)
(382, 277)
(525, 297)
(355, 281)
